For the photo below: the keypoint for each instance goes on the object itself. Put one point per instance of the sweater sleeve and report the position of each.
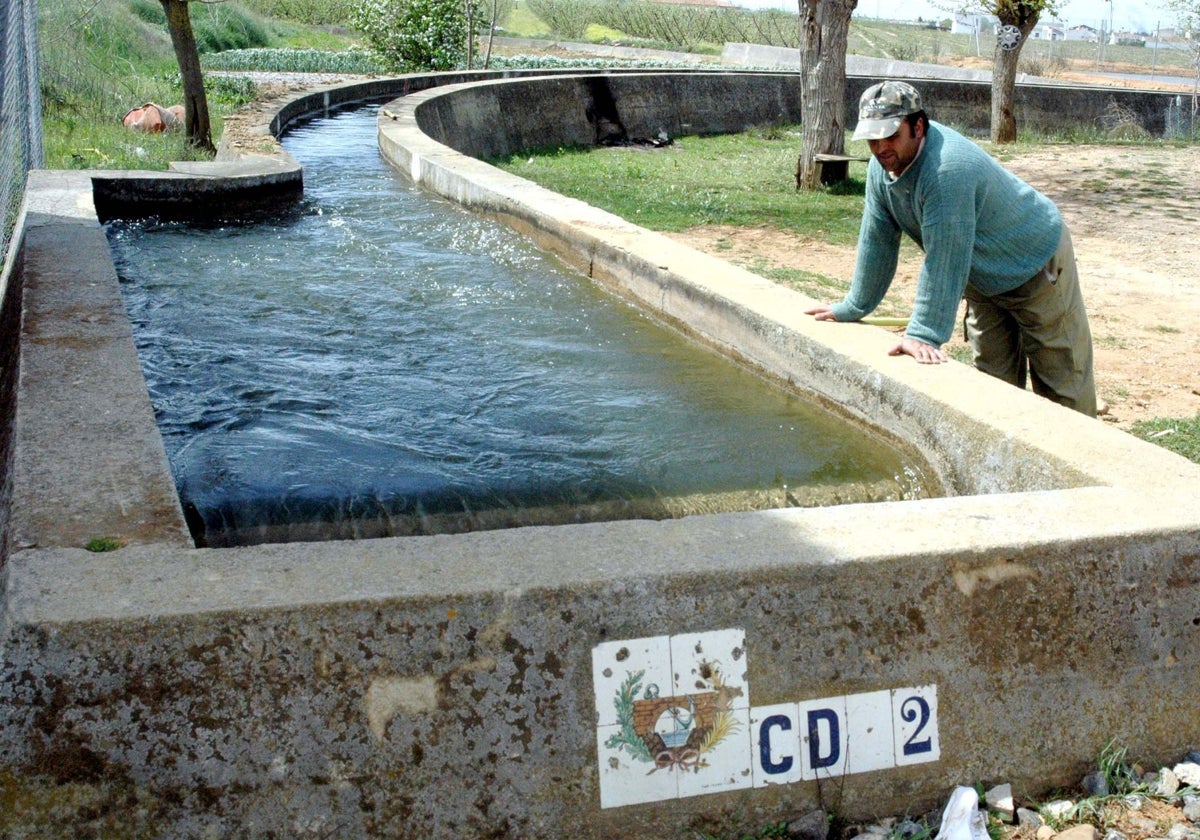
(876, 260)
(947, 236)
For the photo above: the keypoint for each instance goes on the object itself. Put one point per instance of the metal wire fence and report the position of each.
(20, 108)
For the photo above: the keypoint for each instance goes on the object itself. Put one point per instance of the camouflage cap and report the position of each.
(883, 107)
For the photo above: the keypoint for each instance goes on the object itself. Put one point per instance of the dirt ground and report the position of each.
(1133, 213)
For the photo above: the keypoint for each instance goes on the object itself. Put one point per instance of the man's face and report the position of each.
(895, 153)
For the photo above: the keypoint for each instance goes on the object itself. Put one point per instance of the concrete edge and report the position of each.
(62, 586)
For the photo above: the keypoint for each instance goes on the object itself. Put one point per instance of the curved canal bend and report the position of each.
(376, 362)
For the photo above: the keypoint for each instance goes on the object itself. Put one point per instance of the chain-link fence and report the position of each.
(20, 107)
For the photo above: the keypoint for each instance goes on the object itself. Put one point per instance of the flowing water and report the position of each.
(375, 361)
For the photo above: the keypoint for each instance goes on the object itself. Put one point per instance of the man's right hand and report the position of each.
(924, 353)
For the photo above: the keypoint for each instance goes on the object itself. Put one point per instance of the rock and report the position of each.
(1188, 773)
(1087, 831)
(1095, 784)
(907, 828)
(1191, 808)
(1183, 831)
(1044, 832)
(1000, 800)
(812, 826)
(1144, 825)
(1168, 783)
(1058, 809)
(1113, 834)
(1193, 757)
(1029, 819)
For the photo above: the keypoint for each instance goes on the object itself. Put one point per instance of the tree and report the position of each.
(187, 54)
(416, 35)
(824, 31)
(1017, 20)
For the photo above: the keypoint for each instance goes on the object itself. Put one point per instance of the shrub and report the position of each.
(416, 35)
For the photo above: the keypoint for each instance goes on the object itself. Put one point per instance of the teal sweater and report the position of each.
(974, 220)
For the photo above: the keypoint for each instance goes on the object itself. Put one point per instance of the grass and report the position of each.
(739, 180)
(101, 545)
(522, 23)
(1181, 436)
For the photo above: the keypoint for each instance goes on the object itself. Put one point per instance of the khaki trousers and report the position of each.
(1041, 324)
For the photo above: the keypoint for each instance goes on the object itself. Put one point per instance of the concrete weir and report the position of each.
(621, 679)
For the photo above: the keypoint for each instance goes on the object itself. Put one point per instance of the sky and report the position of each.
(1135, 15)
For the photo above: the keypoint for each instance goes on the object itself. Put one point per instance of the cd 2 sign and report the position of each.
(674, 719)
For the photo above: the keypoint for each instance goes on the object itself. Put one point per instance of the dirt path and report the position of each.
(1133, 212)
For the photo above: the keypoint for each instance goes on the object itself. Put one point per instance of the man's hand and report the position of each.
(924, 353)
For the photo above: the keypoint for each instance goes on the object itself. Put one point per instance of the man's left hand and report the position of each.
(925, 354)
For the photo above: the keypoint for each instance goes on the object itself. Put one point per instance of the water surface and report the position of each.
(378, 361)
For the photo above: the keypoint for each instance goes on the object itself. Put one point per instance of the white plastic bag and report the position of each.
(962, 819)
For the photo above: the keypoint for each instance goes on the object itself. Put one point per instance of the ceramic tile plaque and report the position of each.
(673, 719)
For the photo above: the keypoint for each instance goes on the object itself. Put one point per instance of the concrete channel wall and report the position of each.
(605, 680)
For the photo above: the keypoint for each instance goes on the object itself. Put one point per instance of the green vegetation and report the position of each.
(103, 544)
(414, 35)
(521, 22)
(742, 180)
(99, 60)
(1180, 436)
(293, 60)
(314, 14)
(1115, 782)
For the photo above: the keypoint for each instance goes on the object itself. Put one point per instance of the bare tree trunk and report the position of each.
(1005, 60)
(470, 33)
(195, 102)
(824, 31)
(487, 57)
(1004, 86)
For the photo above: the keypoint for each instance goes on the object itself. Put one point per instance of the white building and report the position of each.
(1051, 31)
(1082, 32)
(972, 24)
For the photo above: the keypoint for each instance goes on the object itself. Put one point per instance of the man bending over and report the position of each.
(987, 236)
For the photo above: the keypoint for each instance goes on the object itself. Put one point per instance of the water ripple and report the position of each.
(377, 360)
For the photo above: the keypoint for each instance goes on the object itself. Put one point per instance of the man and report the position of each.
(986, 235)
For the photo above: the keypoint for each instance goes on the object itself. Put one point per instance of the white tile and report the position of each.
(712, 660)
(822, 737)
(915, 721)
(627, 670)
(775, 741)
(870, 744)
(628, 774)
(723, 760)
